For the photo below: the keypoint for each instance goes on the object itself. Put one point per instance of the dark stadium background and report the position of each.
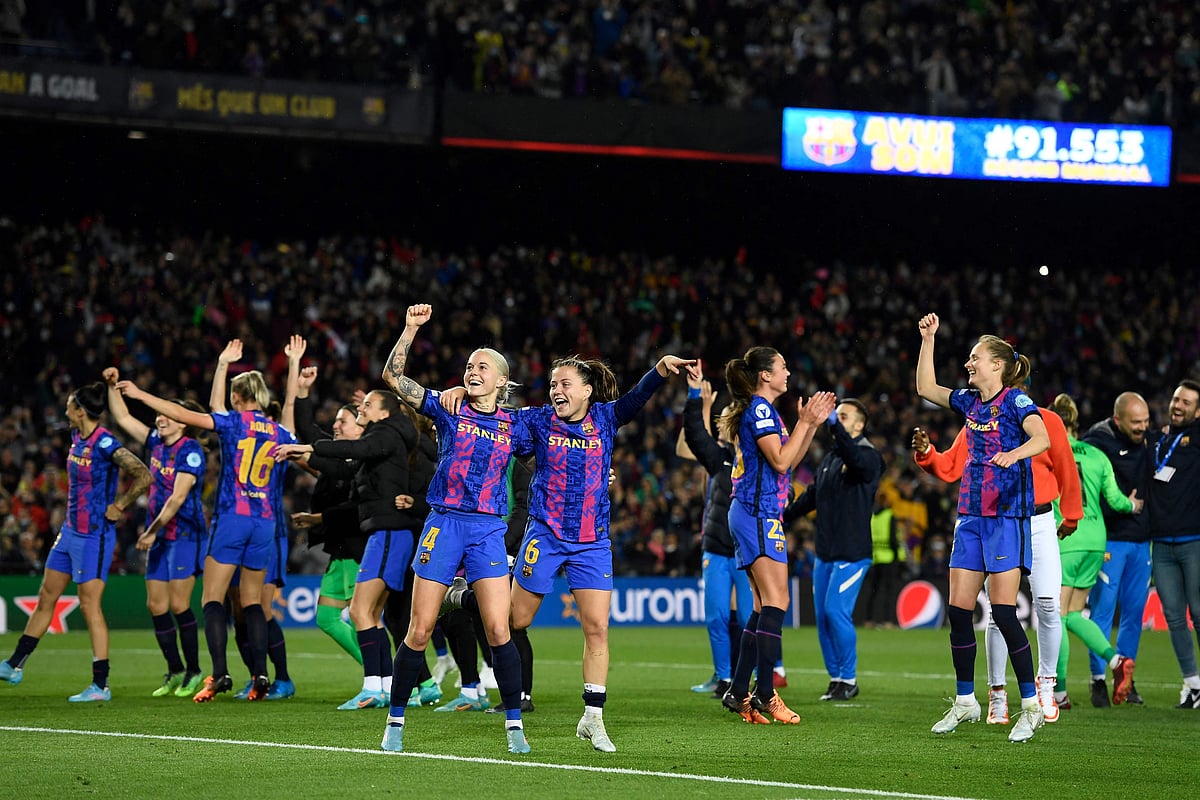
(264, 187)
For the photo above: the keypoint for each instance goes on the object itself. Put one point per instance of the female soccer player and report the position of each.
(244, 528)
(469, 501)
(175, 538)
(766, 456)
(1083, 556)
(573, 439)
(331, 521)
(83, 550)
(384, 472)
(995, 503)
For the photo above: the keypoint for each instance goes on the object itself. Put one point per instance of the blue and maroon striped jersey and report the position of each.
(474, 449)
(248, 468)
(761, 490)
(92, 480)
(167, 461)
(995, 427)
(569, 488)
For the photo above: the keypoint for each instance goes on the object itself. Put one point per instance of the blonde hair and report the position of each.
(501, 364)
(252, 386)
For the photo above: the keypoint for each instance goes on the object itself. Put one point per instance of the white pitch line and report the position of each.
(493, 761)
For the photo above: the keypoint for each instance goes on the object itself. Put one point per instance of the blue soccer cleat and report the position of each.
(281, 690)
(13, 675)
(393, 738)
(91, 694)
(364, 699)
(464, 703)
(243, 692)
(516, 741)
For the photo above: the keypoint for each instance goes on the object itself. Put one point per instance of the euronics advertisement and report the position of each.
(824, 140)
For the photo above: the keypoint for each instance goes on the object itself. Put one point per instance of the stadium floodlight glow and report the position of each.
(825, 140)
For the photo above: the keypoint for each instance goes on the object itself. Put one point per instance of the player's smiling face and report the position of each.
(168, 428)
(568, 393)
(776, 378)
(371, 410)
(75, 413)
(482, 378)
(345, 426)
(981, 366)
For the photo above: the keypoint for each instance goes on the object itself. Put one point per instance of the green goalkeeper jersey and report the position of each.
(1096, 480)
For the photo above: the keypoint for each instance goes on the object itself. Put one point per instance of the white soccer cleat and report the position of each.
(444, 666)
(997, 707)
(487, 678)
(593, 731)
(1045, 696)
(966, 712)
(1029, 721)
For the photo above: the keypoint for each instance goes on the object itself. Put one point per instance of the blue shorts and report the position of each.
(992, 544)
(174, 560)
(451, 538)
(277, 569)
(242, 541)
(386, 556)
(756, 537)
(84, 558)
(588, 564)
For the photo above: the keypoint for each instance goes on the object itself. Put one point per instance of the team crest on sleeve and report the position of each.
(106, 441)
(1022, 401)
(193, 460)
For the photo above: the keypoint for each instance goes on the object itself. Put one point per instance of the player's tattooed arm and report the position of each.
(135, 469)
(409, 390)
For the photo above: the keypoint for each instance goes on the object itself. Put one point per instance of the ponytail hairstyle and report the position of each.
(251, 386)
(92, 398)
(741, 378)
(593, 373)
(1017, 367)
(1065, 407)
(501, 364)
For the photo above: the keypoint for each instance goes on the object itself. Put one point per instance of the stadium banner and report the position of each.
(635, 601)
(825, 140)
(127, 96)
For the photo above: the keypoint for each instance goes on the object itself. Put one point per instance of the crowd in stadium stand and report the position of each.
(1098, 62)
(81, 296)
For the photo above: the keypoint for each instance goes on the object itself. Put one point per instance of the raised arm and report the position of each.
(294, 350)
(133, 426)
(166, 407)
(927, 385)
(183, 484)
(785, 457)
(134, 469)
(231, 353)
(393, 371)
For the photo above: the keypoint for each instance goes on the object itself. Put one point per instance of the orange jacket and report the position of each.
(1055, 476)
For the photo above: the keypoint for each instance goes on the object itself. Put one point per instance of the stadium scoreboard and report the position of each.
(825, 140)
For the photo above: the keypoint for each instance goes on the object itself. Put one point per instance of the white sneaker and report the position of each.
(593, 730)
(444, 666)
(1030, 720)
(969, 712)
(487, 678)
(1045, 696)
(997, 707)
